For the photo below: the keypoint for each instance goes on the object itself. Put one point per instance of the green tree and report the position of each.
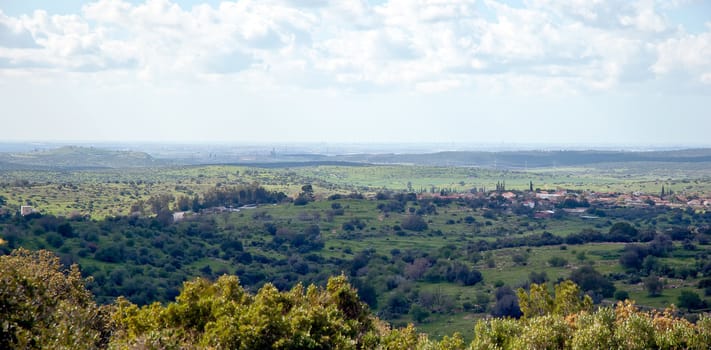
(183, 203)
(590, 280)
(414, 223)
(690, 300)
(222, 315)
(653, 285)
(43, 306)
(567, 299)
(623, 229)
(418, 313)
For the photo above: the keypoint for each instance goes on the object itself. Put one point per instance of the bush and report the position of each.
(54, 240)
(690, 300)
(557, 261)
(621, 295)
(414, 223)
(590, 280)
(46, 307)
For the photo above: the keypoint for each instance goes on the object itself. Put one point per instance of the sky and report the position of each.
(357, 71)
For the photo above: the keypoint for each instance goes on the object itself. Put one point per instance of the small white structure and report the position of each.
(26, 210)
(178, 216)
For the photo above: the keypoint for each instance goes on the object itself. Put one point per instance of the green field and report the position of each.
(107, 192)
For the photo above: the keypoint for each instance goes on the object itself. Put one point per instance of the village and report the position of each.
(546, 203)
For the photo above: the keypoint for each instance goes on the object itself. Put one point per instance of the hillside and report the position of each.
(483, 159)
(77, 157)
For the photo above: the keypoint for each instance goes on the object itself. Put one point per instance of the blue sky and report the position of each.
(465, 71)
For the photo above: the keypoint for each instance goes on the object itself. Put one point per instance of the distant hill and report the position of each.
(77, 157)
(532, 159)
(93, 157)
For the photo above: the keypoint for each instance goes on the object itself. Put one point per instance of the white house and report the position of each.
(26, 210)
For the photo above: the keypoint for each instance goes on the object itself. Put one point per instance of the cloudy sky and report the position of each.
(464, 71)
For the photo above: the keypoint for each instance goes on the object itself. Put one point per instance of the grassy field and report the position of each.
(106, 192)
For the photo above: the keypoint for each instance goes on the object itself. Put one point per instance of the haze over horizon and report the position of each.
(486, 72)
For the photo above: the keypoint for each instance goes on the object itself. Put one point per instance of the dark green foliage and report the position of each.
(557, 261)
(54, 240)
(633, 257)
(590, 280)
(397, 304)
(538, 277)
(413, 223)
(690, 300)
(44, 306)
(623, 229)
(66, 230)
(240, 195)
(418, 313)
(621, 295)
(653, 285)
(506, 303)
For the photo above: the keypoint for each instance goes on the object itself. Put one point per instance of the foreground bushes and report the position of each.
(44, 306)
(222, 315)
(621, 327)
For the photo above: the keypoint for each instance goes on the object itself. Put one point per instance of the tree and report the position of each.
(623, 229)
(306, 195)
(536, 302)
(590, 280)
(398, 304)
(414, 223)
(183, 203)
(557, 261)
(631, 259)
(66, 230)
(538, 277)
(44, 306)
(160, 202)
(520, 258)
(653, 285)
(661, 245)
(418, 313)
(506, 303)
(621, 295)
(568, 299)
(690, 300)
(223, 315)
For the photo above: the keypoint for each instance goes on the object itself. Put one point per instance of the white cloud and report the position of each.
(422, 45)
(688, 52)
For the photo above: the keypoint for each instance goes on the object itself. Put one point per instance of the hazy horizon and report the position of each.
(359, 71)
(334, 148)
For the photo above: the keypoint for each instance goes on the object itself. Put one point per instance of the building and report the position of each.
(26, 210)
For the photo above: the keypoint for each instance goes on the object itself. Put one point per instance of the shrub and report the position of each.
(621, 295)
(557, 261)
(45, 306)
(414, 223)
